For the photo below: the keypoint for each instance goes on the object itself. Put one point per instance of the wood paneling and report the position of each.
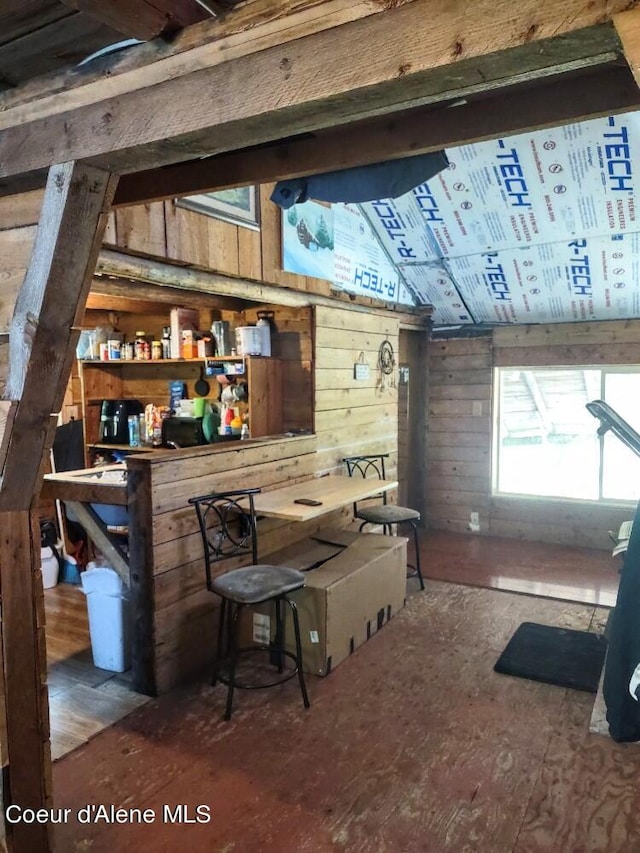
(460, 430)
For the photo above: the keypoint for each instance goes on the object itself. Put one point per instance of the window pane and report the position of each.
(621, 466)
(547, 441)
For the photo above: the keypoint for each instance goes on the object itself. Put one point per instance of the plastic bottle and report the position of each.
(265, 331)
(166, 342)
(134, 430)
(244, 432)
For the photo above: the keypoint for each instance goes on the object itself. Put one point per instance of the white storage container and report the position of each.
(108, 608)
(50, 568)
(249, 340)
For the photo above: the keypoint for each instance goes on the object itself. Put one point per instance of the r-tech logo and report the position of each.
(579, 269)
(617, 157)
(510, 175)
(495, 277)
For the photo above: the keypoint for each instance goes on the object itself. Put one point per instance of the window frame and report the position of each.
(604, 369)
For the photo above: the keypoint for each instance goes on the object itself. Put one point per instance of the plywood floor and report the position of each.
(412, 744)
(83, 700)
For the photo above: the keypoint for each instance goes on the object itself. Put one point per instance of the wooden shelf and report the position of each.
(123, 362)
(148, 382)
(141, 448)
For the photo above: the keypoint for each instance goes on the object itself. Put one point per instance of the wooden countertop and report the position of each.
(104, 485)
(332, 491)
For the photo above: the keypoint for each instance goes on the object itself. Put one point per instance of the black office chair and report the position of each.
(227, 523)
(383, 513)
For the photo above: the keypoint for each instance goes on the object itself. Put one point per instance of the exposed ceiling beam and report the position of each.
(319, 81)
(190, 281)
(113, 294)
(255, 26)
(548, 103)
(142, 19)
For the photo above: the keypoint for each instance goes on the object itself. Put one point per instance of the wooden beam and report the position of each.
(256, 26)
(627, 26)
(118, 295)
(192, 281)
(24, 663)
(318, 81)
(544, 104)
(141, 19)
(50, 303)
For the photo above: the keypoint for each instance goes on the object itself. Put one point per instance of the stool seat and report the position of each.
(255, 584)
(387, 514)
(383, 514)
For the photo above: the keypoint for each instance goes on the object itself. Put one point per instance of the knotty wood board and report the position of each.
(25, 672)
(333, 492)
(77, 486)
(51, 302)
(308, 95)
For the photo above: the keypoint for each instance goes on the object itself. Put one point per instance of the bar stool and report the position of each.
(227, 522)
(383, 513)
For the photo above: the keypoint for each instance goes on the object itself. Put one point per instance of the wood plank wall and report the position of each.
(460, 430)
(354, 417)
(175, 234)
(181, 631)
(351, 417)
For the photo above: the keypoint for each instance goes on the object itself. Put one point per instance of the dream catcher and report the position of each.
(386, 366)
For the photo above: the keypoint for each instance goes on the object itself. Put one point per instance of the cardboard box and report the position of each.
(360, 584)
(182, 320)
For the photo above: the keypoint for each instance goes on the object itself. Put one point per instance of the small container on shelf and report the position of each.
(156, 350)
(141, 344)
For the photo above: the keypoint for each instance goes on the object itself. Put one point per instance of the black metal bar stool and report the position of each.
(227, 523)
(383, 513)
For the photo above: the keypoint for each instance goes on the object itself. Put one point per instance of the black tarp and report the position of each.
(623, 655)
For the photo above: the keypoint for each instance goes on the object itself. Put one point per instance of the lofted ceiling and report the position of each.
(539, 227)
(534, 228)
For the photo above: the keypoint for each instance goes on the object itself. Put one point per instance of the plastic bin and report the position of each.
(50, 567)
(112, 514)
(108, 608)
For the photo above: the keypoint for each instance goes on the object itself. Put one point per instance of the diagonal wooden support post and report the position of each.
(42, 343)
(50, 303)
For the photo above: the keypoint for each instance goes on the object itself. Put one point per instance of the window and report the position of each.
(546, 442)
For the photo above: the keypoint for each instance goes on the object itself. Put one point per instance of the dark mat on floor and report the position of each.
(558, 656)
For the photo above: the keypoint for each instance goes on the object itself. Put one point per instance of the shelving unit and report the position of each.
(148, 382)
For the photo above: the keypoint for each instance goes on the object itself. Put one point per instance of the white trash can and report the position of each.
(108, 608)
(50, 567)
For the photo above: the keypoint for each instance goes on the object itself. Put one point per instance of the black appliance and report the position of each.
(182, 432)
(114, 420)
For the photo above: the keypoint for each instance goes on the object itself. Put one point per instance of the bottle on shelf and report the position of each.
(166, 342)
(141, 343)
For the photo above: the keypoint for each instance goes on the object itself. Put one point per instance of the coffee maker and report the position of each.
(114, 420)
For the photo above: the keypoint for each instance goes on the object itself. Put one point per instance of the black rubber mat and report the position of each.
(553, 655)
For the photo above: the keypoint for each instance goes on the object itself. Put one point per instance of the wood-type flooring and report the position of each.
(412, 744)
(83, 700)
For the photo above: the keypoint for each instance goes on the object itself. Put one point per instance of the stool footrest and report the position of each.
(273, 653)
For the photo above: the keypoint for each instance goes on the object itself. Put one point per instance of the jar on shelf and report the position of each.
(156, 350)
(140, 344)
